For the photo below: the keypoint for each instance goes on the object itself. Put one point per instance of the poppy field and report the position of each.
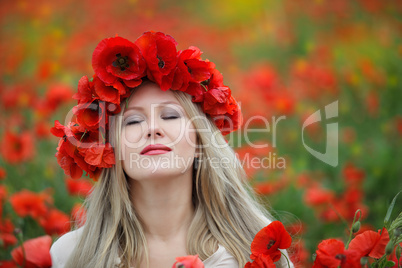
(320, 88)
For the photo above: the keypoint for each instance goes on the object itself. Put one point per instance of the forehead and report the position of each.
(150, 93)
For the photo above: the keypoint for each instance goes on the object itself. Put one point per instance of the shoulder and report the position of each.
(222, 259)
(63, 247)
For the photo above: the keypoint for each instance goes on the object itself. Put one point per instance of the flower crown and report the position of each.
(120, 65)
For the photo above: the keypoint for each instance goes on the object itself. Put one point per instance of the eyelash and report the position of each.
(166, 118)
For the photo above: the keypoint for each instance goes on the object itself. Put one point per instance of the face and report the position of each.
(155, 117)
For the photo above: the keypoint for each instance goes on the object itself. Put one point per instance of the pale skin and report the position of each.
(162, 197)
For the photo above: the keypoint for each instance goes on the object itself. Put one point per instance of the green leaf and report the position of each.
(390, 208)
(389, 264)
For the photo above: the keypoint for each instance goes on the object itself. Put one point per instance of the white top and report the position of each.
(64, 246)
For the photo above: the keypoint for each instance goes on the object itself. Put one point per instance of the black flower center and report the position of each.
(270, 244)
(206, 82)
(341, 257)
(161, 63)
(121, 62)
(188, 68)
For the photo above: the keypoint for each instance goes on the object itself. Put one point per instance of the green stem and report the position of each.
(351, 231)
(286, 259)
(83, 135)
(102, 137)
(204, 87)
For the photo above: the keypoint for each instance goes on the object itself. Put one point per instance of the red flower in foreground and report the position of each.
(16, 148)
(159, 51)
(370, 243)
(99, 155)
(262, 261)
(118, 58)
(269, 240)
(190, 261)
(331, 253)
(36, 253)
(55, 222)
(28, 203)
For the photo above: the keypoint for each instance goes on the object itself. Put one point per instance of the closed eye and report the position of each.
(133, 122)
(170, 117)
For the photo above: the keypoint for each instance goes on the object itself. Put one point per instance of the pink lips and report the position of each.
(155, 149)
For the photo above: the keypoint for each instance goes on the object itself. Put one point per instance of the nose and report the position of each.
(154, 130)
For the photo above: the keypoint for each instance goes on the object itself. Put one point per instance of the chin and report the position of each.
(158, 173)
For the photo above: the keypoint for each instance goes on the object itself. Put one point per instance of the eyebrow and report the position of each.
(142, 109)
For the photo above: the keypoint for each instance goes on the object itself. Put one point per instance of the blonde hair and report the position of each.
(226, 211)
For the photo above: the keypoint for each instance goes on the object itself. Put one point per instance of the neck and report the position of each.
(164, 205)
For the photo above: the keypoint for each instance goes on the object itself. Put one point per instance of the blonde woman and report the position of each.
(175, 187)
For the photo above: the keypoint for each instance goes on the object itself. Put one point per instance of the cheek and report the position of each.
(189, 141)
(131, 135)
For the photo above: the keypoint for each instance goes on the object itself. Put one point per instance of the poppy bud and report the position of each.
(398, 251)
(18, 233)
(389, 248)
(363, 261)
(356, 227)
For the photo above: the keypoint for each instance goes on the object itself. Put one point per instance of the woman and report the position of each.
(174, 187)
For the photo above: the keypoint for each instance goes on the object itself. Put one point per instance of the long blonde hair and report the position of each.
(226, 210)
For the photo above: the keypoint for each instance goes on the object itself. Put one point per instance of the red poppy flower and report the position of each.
(66, 161)
(57, 95)
(36, 253)
(100, 155)
(8, 264)
(78, 187)
(16, 148)
(92, 116)
(6, 233)
(227, 123)
(261, 261)
(331, 253)
(198, 69)
(353, 175)
(71, 158)
(215, 100)
(159, 51)
(42, 129)
(316, 196)
(299, 255)
(55, 222)
(85, 91)
(97, 89)
(118, 58)
(27, 203)
(370, 243)
(190, 261)
(190, 68)
(269, 240)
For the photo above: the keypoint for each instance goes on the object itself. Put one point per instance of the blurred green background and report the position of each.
(280, 58)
